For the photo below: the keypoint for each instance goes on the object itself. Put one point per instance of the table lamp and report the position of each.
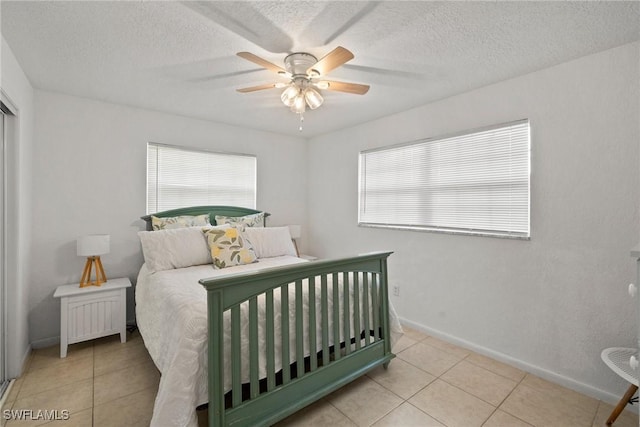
(92, 247)
(295, 231)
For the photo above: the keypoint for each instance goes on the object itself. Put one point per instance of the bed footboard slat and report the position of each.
(366, 308)
(236, 356)
(284, 332)
(253, 348)
(356, 309)
(336, 318)
(270, 338)
(374, 302)
(346, 312)
(299, 328)
(313, 361)
(324, 308)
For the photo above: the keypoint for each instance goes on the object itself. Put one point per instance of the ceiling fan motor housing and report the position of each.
(298, 63)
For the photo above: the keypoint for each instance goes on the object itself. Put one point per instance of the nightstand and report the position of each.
(92, 312)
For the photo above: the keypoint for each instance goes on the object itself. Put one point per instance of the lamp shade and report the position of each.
(289, 95)
(299, 104)
(295, 230)
(93, 245)
(313, 98)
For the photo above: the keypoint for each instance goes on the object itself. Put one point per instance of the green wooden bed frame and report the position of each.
(263, 402)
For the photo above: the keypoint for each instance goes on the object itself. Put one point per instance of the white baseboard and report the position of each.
(25, 359)
(554, 377)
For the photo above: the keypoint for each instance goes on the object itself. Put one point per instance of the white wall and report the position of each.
(89, 176)
(551, 304)
(17, 88)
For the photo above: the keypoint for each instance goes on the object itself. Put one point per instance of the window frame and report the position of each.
(524, 235)
(202, 151)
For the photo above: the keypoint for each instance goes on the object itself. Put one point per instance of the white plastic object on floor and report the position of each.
(620, 361)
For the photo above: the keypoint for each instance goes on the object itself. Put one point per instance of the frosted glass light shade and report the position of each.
(295, 231)
(314, 99)
(93, 245)
(289, 95)
(299, 105)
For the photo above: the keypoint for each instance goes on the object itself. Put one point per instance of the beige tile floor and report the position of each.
(431, 383)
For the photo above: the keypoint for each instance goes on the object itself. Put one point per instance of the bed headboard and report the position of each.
(201, 210)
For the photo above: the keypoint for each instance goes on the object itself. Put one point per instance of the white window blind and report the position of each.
(179, 177)
(474, 183)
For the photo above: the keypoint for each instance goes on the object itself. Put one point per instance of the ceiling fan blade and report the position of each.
(332, 60)
(261, 62)
(353, 88)
(255, 88)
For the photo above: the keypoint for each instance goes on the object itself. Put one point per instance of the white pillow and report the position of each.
(270, 241)
(174, 248)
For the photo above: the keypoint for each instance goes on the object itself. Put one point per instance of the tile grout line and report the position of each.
(338, 409)
(495, 408)
(439, 377)
(593, 420)
(508, 395)
(497, 373)
(408, 398)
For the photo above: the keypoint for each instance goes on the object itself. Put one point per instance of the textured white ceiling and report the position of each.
(179, 57)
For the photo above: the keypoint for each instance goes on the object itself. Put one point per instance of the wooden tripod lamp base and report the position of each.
(92, 247)
(86, 274)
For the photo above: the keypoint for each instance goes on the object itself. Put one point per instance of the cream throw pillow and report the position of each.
(271, 241)
(174, 248)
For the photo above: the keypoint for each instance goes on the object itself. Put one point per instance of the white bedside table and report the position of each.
(92, 312)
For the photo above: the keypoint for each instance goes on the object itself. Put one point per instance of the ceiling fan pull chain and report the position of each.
(301, 120)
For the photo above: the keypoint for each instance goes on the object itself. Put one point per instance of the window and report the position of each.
(179, 177)
(471, 183)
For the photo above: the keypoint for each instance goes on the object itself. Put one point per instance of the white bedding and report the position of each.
(171, 311)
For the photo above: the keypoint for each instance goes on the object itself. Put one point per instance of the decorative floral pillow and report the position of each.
(229, 247)
(179, 222)
(255, 220)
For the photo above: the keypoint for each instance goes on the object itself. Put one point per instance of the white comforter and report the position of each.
(171, 312)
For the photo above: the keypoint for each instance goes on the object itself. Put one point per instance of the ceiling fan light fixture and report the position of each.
(304, 72)
(299, 104)
(313, 98)
(289, 95)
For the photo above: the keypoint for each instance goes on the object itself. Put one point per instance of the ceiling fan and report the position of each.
(306, 75)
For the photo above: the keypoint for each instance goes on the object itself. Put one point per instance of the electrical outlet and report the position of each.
(396, 291)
